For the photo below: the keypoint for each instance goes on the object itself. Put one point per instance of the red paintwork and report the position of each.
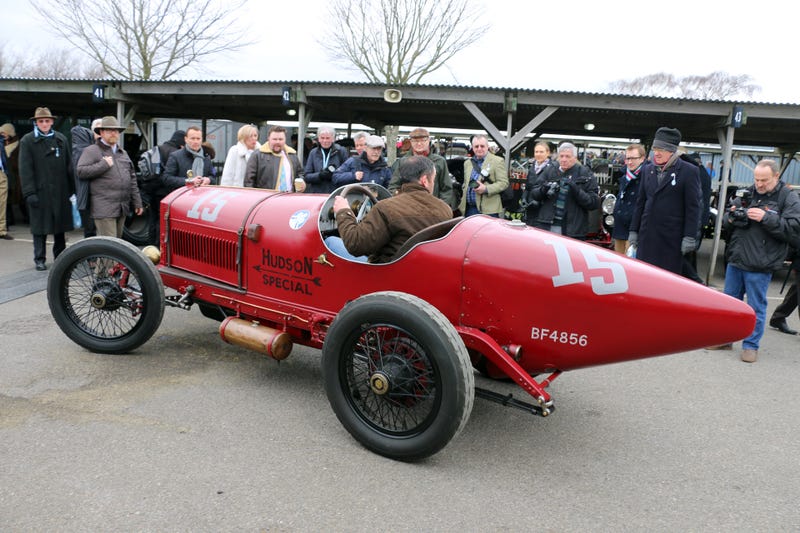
(498, 282)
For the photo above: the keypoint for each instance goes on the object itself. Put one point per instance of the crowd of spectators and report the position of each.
(661, 207)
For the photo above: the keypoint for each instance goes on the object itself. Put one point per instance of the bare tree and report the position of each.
(400, 41)
(715, 86)
(145, 39)
(49, 63)
(10, 65)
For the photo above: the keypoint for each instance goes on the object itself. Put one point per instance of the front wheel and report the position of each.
(397, 375)
(106, 295)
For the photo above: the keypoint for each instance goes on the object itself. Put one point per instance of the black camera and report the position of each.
(739, 214)
(553, 188)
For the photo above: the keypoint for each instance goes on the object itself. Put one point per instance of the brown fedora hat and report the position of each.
(108, 123)
(42, 112)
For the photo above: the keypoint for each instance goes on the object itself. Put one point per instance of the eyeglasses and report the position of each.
(419, 139)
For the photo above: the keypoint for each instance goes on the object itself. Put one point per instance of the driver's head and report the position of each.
(418, 169)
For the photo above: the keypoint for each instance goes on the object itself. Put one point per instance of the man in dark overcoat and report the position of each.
(45, 168)
(667, 214)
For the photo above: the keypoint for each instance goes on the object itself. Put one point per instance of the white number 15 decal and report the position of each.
(214, 201)
(568, 276)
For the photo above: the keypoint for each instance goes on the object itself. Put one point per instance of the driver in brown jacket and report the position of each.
(393, 221)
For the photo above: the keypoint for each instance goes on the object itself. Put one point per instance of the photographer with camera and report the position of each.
(763, 220)
(485, 177)
(565, 195)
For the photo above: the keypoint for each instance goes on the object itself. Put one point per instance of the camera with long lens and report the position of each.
(739, 214)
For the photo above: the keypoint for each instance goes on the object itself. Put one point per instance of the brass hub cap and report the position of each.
(98, 300)
(379, 383)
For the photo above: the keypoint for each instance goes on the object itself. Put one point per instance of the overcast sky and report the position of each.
(578, 46)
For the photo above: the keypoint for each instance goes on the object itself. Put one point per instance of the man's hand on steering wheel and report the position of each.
(340, 202)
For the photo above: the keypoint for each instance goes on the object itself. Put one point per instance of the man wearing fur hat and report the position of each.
(45, 169)
(667, 213)
(112, 188)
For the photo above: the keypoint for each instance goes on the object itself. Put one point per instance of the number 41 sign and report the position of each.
(98, 93)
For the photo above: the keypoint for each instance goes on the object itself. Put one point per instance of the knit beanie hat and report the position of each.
(667, 139)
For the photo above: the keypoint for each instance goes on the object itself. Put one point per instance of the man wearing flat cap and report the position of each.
(667, 213)
(45, 168)
(421, 145)
(113, 191)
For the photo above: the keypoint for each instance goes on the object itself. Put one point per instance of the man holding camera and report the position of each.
(565, 195)
(323, 160)
(485, 177)
(763, 221)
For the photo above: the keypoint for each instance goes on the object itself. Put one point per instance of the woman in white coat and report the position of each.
(236, 161)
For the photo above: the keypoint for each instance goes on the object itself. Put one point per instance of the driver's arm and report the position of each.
(365, 238)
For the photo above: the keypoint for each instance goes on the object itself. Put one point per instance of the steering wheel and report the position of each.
(366, 196)
(368, 200)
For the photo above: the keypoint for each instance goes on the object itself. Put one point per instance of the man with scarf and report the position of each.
(566, 195)
(275, 166)
(45, 168)
(667, 214)
(190, 165)
(485, 177)
(421, 145)
(635, 156)
(540, 170)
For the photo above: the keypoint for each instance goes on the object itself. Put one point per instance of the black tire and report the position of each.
(137, 228)
(409, 398)
(106, 295)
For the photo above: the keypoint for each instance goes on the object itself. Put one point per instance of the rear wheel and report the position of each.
(397, 375)
(137, 227)
(105, 295)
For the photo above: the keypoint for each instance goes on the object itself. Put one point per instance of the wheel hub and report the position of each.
(106, 296)
(379, 383)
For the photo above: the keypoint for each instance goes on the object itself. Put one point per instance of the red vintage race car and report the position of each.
(399, 340)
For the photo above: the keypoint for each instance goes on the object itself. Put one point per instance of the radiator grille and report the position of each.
(212, 251)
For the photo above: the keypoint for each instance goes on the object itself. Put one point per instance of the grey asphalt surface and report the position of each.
(191, 434)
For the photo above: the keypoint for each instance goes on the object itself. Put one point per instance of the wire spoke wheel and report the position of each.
(397, 375)
(393, 383)
(105, 295)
